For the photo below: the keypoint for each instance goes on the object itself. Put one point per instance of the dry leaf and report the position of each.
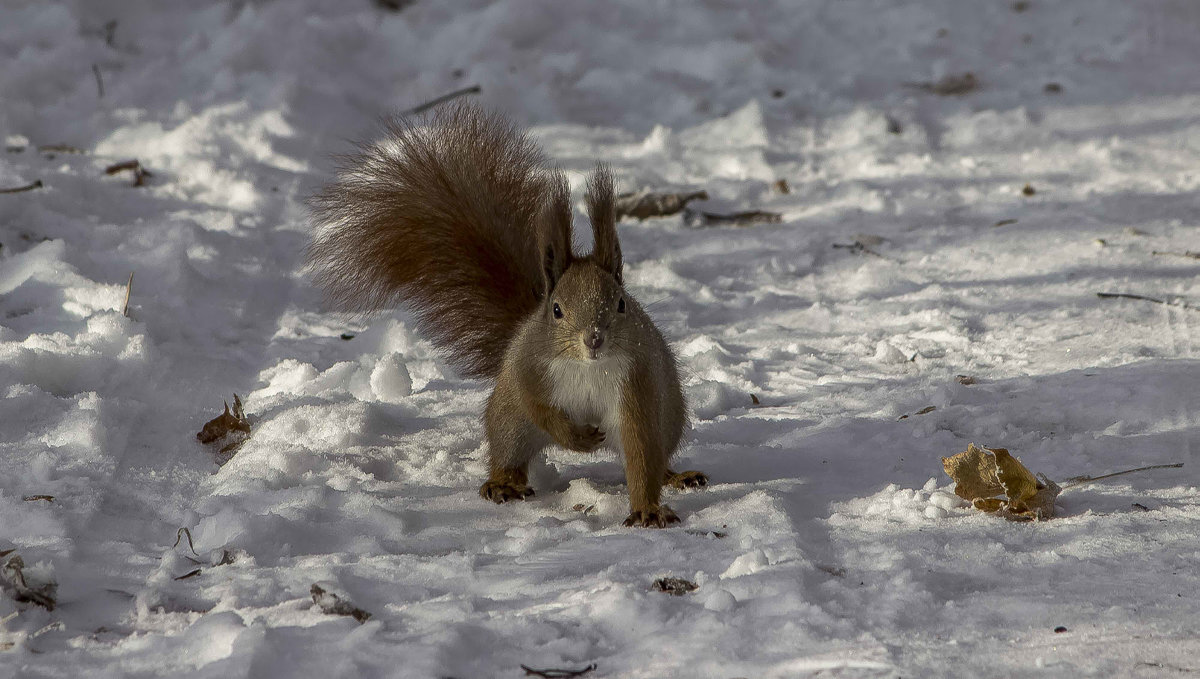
(675, 586)
(995, 481)
(229, 424)
(950, 85)
(747, 218)
(974, 474)
(12, 578)
(643, 204)
(335, 605)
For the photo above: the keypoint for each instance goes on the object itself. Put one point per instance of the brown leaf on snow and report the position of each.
(229, 424)
(974, 474)
(333, 604)
(950, 85)
(995, 481)
(12, 579)
(644, 204)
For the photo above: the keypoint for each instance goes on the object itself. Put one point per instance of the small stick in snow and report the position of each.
(923, 411)
(951, 85)
(128, 289)
(99, 80)
(60, 148)
(179, 535)
(35, 498)
(189, 574)
(1127, 295)
(1080, 480)
(1168, 666)
(37, 184)
(394, 5)
(747, 218)
(1189, 254)
(1005, 222)
(473, 89)
(557, 674)
(858, 247)
(140, 174)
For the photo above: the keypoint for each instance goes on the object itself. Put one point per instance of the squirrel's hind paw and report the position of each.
(503, 491)
(685, 480)
(655, 517)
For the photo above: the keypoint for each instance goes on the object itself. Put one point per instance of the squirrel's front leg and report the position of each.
(582, 438)
(512, 442)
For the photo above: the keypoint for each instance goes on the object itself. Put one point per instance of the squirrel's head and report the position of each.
(584, 300)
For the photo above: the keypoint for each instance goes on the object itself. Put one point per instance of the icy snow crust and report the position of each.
(843, 551)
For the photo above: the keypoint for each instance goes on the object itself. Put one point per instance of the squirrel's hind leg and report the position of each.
(512, 442)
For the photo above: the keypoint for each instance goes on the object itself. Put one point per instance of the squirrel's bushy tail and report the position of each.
(444, 216)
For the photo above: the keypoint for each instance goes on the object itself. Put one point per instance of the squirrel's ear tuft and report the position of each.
(603, 214)
(555, 235)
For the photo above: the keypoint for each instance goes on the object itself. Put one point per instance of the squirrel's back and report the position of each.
(442, 214)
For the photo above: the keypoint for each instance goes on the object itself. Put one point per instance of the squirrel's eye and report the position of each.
(557, 310)
(621, 306)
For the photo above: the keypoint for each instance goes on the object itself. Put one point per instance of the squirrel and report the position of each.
(460, 218)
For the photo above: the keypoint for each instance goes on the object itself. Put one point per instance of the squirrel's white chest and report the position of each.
(590, 393)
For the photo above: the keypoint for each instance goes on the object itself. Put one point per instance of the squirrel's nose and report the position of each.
(594, 339)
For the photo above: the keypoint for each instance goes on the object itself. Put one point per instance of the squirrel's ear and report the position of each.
(555, 237)
(604, 221)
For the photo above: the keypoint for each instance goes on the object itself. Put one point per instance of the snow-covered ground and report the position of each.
(828, 542)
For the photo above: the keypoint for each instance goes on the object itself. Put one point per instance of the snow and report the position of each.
(829, 541)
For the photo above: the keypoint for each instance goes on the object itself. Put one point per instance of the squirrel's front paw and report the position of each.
(503, 491)
(585, 438)
(654, 517)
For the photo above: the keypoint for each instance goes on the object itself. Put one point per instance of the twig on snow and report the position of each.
(473, 89)
(1189, 254)
(950, 85)
(128, 290)
(557, 674)
(1080, 480)
(858, 247)
(99, 80)
(1168, 666)
(140, 174)
(60, 148)
(923, 411)
(179, 535)
(37, 184)
(1127, 295)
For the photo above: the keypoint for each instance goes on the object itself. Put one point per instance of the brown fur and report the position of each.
(445, 218)
(461, 220)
